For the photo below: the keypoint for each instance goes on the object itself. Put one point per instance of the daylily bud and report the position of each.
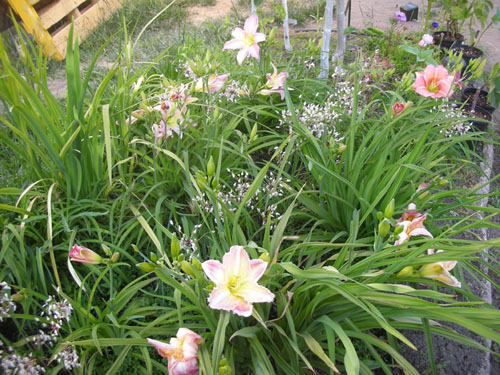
(384, 227)
(389, 209)
(380, 215)
(443, 182)
(253, 133)
(115, 257)
(146, 266)
(408, 105)
(423, 195)
(201, 180)
(210, 167)
(175, 247)
(18, 297)
(265, 257)
(106, 249)
(196, 263)
(272, 34)
(342, 148)
(398, 229)
(187, 268)
(406, 272)
(153, 256)
(84, 255)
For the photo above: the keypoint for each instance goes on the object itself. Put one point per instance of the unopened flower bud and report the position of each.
(106, 249)
(187, 268)
(265, 257)
(175, 247)
(18, 297)
(196, 263)
(146, 266)
(342, 148)
(253, 133)
(423, 195)
(398, 229)
(380, 215)
(383, 228)
(406, 272)
(272, 34)
(84, 255)
(115, 257)
(443, 182)
(153, 256)
(210, 167)
(389, 209)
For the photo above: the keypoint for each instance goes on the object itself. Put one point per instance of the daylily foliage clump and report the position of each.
(242, 231)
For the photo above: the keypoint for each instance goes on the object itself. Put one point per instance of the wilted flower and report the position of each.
(182, 352)
(246, 40)
(84, 255)
(435, 25)
(440, 271)
(275, 83)
(426, 40)
(214, 83)
(235, 281)
(400, 16)
(159, 131)
(434, 81)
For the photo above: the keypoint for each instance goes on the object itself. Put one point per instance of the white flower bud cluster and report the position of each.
(7, 306)
(460, 127)
(68, 357)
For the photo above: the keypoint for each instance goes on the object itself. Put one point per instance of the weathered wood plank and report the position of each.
(89, 19)
(56, 11)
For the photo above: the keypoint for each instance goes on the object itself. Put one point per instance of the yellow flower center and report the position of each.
(233, 284)
(248, 40)
(433, 86)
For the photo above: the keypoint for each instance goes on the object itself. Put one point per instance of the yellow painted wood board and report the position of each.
(56, 11)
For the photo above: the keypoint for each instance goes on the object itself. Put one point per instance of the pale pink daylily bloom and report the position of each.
(275, 83)
(236, 287)
(413, 226)
(181, 352)
(161, 131)
(426, 40)
(434, 82)
(246, 39)
(440, 271)
(214, 83)
(84, 255)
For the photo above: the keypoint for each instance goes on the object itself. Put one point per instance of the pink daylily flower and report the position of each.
(182, 352)
(214, 83)
(434, 82)
(275, 82)
(426, 40)
(413, 225)
(397, 109)
(236, 287)
(440, 271)
(246, 39)
(84, 255)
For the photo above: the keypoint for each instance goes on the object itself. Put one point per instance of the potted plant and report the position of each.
(487, 94)
(478, 13)
(455, 17)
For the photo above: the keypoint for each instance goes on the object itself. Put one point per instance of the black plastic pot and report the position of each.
(468, 97)
(447, 43)
(466, 55)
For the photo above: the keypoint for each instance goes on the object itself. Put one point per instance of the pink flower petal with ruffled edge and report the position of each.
(236, 262)
(213, 269)
(253, 293)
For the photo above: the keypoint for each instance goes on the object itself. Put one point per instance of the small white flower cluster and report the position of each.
(321, 119)
(69, 358)
(270, 188)
(6, 304)
(14, 364)
(234, 91)
(460, 127)
(188, 243)
(57, 311)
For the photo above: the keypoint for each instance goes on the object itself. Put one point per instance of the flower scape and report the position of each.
(206, 205)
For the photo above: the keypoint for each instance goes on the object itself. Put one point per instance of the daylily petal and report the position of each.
(221, 299)
(259, 37)
(213, 269)
(251, 24)
(236, 262)
(163, 348)
(436, 271)
(254, 51)
(242, 54)
(238, 33)
(253, 293)
(243, 309)
(257, 269)
(234, 44)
